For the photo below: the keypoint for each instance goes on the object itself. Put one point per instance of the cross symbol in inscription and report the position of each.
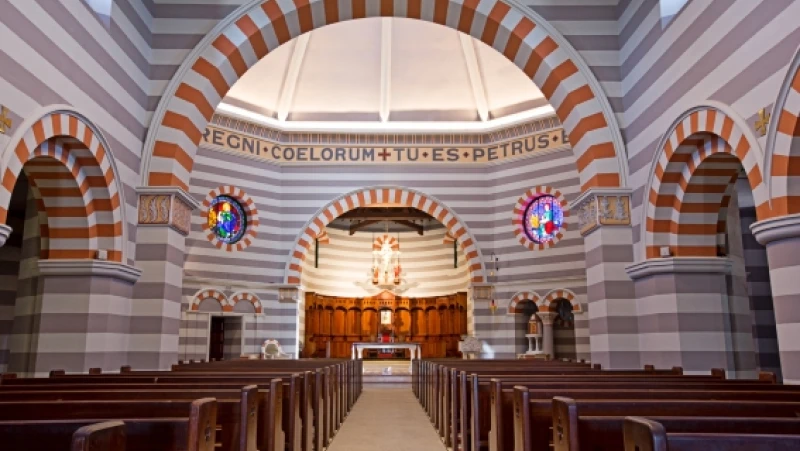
(762, 123)
(385, 154)
(5, 121)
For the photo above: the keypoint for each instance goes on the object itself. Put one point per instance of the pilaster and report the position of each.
(781, 236)
(164, 221)
(605, 223)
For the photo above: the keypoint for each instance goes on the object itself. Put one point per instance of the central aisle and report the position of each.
(387, 419)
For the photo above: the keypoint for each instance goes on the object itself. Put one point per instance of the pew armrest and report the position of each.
(108, 436)
(644, 435)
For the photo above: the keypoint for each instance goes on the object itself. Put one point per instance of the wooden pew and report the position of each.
(269, 435)
(54, 435)
(282, 407)
(473, 408)
(642, 434)
(538, 422)
(295, 413)
(189, 427)
(237, 420)
(500, 423)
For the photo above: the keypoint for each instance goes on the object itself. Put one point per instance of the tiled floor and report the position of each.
(387, 419)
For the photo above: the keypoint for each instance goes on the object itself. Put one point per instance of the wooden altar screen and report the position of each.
(436, 322)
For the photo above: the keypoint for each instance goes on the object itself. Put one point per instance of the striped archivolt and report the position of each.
(226, 304)
(522, 296)
(389, 196)
(517, 33)
(785, 163)
(72, 179)
(544, 303)
(692, 183)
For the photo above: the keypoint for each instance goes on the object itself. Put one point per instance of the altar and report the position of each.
(359, 347)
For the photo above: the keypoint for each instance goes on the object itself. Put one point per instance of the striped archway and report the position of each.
(522, 296)
(211, 293)
(690, 183)
(72, 176)
(783, 146)
(384, 196)
(245, 296)
(549, 300)
(261, 26)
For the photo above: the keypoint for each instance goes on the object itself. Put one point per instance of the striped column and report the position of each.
(686, 317)
(9, 270)
(605, 224)
(781, 236)
(28, 292)
(164, 220)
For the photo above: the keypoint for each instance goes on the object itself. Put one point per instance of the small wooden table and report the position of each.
(358, 348)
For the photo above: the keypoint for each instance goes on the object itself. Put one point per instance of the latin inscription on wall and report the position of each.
(235, 142)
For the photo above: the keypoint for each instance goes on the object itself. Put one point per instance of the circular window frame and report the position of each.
(521, 208)
(240, 213)
(250, 219)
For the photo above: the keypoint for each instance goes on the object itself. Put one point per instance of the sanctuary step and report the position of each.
(387, 374)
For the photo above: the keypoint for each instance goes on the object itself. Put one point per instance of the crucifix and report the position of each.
(762, 123)
(5, 120)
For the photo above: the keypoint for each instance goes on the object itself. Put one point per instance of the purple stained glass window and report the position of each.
(226, 219)
(543, 219)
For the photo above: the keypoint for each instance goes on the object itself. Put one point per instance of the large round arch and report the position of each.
(782, 161)
(260, 26)
(705, 140)
(61, 144)
(384, 196)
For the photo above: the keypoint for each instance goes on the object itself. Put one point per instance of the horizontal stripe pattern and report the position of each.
(345, 265)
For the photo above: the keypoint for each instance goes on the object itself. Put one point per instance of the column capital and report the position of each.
(166, 206)
(775, 229)
(482, 291)
(289, 292)
(5, 232)
(597, 207)
(548, 318)
(673, 265)
(89, 268)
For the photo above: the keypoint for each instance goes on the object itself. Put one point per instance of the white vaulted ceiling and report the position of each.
(381, 72)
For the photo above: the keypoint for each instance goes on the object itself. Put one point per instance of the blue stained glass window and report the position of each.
(543, 219)
(227, 219)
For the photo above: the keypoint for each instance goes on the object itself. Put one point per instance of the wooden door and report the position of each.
(216, 345)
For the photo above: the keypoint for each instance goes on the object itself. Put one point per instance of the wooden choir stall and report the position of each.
(437, 323)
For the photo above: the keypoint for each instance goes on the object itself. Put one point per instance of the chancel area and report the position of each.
(308, 225)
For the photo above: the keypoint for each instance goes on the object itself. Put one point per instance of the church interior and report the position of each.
(360, 225)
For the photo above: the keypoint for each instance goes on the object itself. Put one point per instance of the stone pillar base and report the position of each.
(79, 320)
(685, 316)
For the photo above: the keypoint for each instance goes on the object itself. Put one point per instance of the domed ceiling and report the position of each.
(380, 72)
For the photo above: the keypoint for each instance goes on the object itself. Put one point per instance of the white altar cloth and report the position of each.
(358, 348)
